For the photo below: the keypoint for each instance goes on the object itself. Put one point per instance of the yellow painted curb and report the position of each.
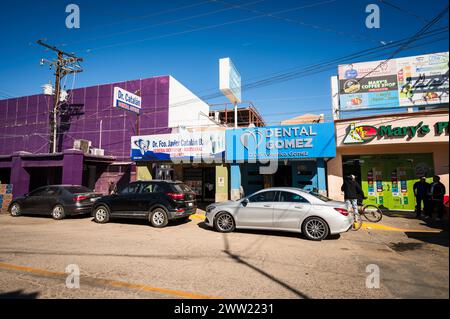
(197, 216)
(107, 282)
(374, 226)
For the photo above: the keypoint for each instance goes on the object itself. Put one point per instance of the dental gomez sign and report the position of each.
(281, 142)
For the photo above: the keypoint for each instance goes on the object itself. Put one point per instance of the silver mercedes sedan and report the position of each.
(283, 209)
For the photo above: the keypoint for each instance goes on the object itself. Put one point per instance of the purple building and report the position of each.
(88, 114)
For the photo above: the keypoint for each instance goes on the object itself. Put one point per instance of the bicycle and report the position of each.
(371, 212)
(357, 219)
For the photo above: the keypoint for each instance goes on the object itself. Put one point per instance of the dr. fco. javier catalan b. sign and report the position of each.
(125, 100)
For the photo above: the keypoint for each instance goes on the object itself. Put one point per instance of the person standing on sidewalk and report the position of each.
(421, 189)
(437, 192)
(352, 191)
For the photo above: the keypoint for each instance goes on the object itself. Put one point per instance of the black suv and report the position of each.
(157, 201)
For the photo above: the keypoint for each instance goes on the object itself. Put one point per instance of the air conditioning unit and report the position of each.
(97, 151)
(82, 145)
(48, 89)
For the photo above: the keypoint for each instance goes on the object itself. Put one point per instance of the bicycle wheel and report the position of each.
(357, 221)
(372, 213)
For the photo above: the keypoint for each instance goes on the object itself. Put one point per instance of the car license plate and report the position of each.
(190, 204)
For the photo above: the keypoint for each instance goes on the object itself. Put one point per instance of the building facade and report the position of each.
(88, 114)
(285, 155)
(389, 153)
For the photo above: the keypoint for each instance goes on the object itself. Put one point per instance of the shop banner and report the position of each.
(411, 81)
(198, 145)
(281, 142)
(423, 79)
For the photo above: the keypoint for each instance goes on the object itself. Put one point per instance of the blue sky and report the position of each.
(185, 38)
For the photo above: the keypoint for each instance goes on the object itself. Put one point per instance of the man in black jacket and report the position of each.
(421, 189)
(437, 192)
(352, 192)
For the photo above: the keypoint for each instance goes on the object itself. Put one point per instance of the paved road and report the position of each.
(126, 259)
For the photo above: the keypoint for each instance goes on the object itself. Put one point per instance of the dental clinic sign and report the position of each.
(281, 142)
(126, 100)
(187, 145)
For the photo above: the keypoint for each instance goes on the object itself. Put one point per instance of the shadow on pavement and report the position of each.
(440, 238)
(49, 216)
(19, 294)
(398, 214)
(144, 222)
(431, 238)
(268, 232)
(402, 246)
(239, 260)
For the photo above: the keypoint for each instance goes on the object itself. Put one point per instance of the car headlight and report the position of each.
(210, 208)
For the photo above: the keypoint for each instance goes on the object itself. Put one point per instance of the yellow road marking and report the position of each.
(389, 228)
(107, 282)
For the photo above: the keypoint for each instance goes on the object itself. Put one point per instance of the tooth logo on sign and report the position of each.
(254, 134)
(144, 146)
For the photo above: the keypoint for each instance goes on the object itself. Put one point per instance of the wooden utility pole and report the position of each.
(66, 63)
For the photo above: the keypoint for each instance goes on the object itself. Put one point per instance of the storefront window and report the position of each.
(387, 180)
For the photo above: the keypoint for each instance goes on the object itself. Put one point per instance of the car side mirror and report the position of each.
(244, 202)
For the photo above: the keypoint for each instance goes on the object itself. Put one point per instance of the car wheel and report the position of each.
(315, 228)
(224, 223)
(15, 210)
(101, 215)
(58, 212)
(159, 218)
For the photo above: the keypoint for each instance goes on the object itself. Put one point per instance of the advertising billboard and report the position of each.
(281, 142)
(125, 100)
(404, 82)
(230, 80)
(423, 79)
(187, 145)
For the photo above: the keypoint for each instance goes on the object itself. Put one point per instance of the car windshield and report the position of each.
(77, 189)
(182, 188)
(321, 197)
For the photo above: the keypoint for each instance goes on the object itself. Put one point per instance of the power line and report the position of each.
(301, 23)
(325, 65)
(66, 63)
(212, 26)
(308, 70)
(411, 40)
(302, 72)
(408, 12)
(144, 17)
(165, 23)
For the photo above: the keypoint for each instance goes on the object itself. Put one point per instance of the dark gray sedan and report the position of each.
(58, 201)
